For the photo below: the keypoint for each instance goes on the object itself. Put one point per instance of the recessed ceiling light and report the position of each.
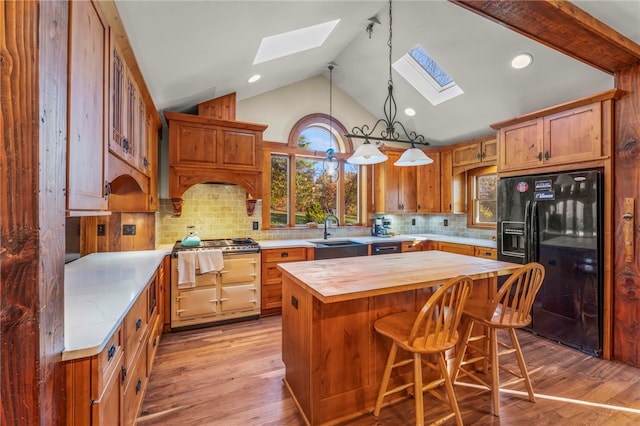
(410, 112)
(521, 61)
(254, 78)
(295, 41)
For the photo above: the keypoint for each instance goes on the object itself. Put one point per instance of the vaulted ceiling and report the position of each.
(192, 51)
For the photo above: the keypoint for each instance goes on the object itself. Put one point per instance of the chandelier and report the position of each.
(391, 129)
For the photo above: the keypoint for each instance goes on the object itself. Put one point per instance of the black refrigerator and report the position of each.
(557, 220)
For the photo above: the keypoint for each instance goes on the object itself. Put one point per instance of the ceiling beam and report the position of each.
(562, 26)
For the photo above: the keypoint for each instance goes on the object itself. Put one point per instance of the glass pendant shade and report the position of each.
(331, 166)
(367, 154)
(413, 157)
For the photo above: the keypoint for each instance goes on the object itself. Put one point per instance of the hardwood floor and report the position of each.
(232, 375)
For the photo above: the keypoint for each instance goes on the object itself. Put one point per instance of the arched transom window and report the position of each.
(302, 192)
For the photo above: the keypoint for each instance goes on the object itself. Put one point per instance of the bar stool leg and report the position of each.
(448, 383)
(521, 363)
(495, 372)
(417, 386)
(385, 378)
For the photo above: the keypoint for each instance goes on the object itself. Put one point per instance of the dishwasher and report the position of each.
(387, 247)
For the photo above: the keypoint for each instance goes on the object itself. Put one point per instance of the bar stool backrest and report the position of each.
(512, 304)
(436, 326)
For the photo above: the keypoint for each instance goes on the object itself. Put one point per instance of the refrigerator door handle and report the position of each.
(527, 232)
(534, 232)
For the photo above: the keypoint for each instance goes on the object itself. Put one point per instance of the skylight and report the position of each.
(279, 45)
(426, 76)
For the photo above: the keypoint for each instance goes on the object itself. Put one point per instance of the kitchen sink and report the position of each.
(332, 249)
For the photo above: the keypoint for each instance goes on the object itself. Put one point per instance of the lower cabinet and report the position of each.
(457, 248)
(487, 252)
(107, 389)
(408, 246)
(272, 277)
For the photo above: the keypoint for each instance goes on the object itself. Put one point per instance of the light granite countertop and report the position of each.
(269, 244)
(99, 290)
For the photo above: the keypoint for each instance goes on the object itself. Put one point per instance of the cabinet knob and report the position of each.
(138, 323)
(284, 254)
(478, 156)
(540, 156)
(123, 373)
(125, 145)
(546, 155)
(138, 385)
(111, 352)
(484, 154)
(145, 162)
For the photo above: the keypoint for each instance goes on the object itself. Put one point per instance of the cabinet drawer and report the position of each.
(411, 246)
(457, 248)
(152, 343)
(290, 254)
(108, 358)
(135, 327)
(272, 296)
(271, 274)
(134, 386)
(489, 253)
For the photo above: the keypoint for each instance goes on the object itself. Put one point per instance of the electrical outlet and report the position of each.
(255, 225)
(128, 230)
(446, 222)
(102, 231)
(413, 221)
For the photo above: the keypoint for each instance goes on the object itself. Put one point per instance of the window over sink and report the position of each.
(301, 192)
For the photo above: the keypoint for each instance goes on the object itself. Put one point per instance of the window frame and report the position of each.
(293, 152)
(472, 175)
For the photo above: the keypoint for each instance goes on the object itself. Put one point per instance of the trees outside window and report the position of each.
(301, 192)
(482, 209)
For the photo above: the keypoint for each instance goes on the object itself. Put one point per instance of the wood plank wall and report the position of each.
(33, 162)
(626, 333)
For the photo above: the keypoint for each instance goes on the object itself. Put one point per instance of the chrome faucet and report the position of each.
(326, 224)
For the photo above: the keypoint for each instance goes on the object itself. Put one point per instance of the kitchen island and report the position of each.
(333, 357)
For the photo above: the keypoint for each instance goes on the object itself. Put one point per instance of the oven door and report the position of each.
(196, 303)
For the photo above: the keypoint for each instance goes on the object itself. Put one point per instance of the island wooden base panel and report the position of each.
(233, 375)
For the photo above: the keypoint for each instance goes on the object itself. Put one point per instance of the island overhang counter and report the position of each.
(332, 355)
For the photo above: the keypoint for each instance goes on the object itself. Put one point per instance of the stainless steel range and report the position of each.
(230, 292)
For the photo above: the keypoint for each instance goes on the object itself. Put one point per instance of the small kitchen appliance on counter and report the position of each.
(381, 227)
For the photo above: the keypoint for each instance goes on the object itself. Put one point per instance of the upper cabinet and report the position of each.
(475, 153)
(575, 132)
(428, 185)
(87, 187)
(204, 149)
(394, 190)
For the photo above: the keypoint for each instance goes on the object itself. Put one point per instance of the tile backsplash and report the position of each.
(219, 211)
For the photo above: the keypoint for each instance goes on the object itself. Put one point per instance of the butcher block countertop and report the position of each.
(99, 290)
(335, 280)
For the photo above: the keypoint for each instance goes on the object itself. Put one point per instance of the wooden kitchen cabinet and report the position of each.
(456, 248)
(395, 188)
(409, 246)
(475, 153)
(570, 133)
(486, 252)
(428, 185)
(87, 158)
(107, 389)
(204, 149)
(272, 277)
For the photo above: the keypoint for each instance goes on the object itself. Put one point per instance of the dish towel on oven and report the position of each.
(186, 269)
(209, 260)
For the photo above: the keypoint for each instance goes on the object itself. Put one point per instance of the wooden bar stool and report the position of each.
(509, 309)
(431, 331)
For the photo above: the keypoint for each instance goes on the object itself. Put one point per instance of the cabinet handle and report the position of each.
(487, 253)
(478, 156)
(123, 373)
(546, 155)
(107, 189)
(111, 352)
(540, 156)
(145, 162)
(284, 254)
(138, 385)
(125, 145)
(484, 154)
(138, 323)
(155, 341)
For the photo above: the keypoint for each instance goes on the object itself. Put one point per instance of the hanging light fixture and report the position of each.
(368, 153)
(331, 165)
